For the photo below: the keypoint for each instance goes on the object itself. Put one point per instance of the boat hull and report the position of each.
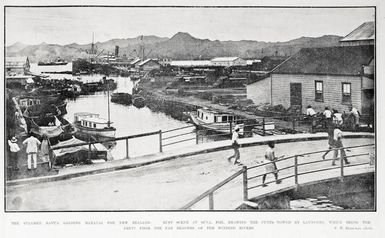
(85, 132)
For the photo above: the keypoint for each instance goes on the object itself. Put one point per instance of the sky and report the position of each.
(66, 25)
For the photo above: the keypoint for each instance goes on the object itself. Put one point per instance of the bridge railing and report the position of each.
(246, 171)
(210, 193)
(294, 165)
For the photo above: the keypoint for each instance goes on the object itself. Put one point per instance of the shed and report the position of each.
(228, 61)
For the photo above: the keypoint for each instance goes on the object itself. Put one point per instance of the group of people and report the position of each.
(334, 141)
(31, 145)
(331, 117)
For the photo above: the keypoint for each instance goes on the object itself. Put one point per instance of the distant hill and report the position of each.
(181, 46)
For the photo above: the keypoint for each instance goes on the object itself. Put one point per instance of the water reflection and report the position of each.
(129, 120)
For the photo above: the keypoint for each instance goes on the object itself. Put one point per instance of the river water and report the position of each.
(129, 120)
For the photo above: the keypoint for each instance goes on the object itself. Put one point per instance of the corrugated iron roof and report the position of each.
(364, 32)
(146, 61)
(224, 59)
(135, 61)
(15, 62)
(16, 59)
(191, 63)
(338, 60)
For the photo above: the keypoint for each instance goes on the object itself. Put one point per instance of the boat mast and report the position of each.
(108, 104)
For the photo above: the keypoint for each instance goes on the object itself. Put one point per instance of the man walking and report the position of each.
(338, 146)
(330, 132)
(235, 144)
(32, 144)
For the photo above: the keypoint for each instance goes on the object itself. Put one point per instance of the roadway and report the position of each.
(166, 185)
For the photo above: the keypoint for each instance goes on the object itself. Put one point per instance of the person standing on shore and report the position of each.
(270, 165)
(14, 149)
(356, 115)
(44, 150)
(235, 145)
(32, 144)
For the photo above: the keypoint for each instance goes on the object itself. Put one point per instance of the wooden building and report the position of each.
(362, 35)
(337, 77)
(17, 65)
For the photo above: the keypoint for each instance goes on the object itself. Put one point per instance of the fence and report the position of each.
(167, 138)
(295, 165)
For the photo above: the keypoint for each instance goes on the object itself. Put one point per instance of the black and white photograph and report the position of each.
(254, 114)
(189, 108)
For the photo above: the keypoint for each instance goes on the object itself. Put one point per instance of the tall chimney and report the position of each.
(116, 51)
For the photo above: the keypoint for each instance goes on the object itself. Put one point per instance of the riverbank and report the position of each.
(158, 97)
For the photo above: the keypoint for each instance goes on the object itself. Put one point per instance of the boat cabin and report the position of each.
(211, 116)
(91, 120)
(25, 102)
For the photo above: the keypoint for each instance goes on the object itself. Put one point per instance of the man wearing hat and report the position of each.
(235, 144)
(14, 149)
(32, 145)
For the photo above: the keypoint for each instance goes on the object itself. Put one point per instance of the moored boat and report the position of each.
(216, 121)
(138, 101)
(77, 154)
(91, 125)
(122, 98)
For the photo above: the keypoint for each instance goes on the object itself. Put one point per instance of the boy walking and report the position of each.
(235, 144)
(270, 165)
(338, 146)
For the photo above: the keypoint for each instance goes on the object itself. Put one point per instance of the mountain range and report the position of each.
(181, 46)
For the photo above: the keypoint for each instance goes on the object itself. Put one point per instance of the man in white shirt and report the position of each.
(328, 117)
(338, 146)
(310, 113)
(235, 144)
(356, 115)
(32, 144)
(337, 118)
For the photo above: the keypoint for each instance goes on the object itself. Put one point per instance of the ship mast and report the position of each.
(108, 103)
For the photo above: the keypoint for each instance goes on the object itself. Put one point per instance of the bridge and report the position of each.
(294, 171)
